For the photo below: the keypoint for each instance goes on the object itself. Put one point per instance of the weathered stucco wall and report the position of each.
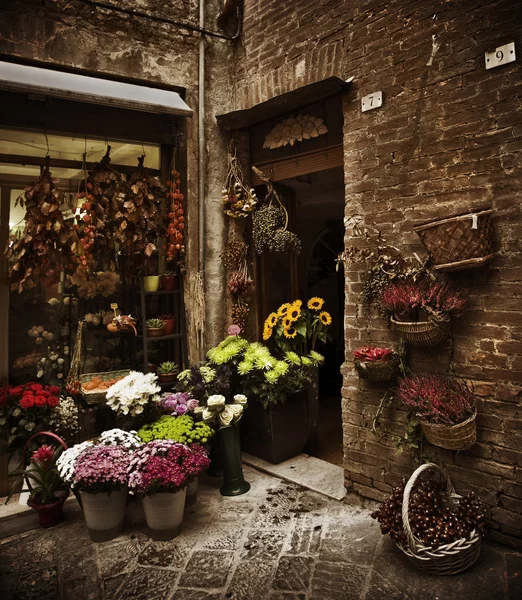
(447, 139)
(98, 40)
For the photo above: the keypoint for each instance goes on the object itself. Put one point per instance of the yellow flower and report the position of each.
(286, 322)
(294, 313)
(271, 320)
(325, 317)
(298, 303)
(267, 332)
(315, 303)
(283, 309)
(290, 332)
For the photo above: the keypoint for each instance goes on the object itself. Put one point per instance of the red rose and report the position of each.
(45, 393)
(54, 389)
(27, 401)
(16, 391)
(3, 399)
(36, 386)
(40, 400)
(53, 401)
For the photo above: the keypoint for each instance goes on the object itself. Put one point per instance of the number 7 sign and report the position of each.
(371, 101)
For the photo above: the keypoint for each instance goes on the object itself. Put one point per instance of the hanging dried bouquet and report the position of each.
(175, 219)
(48, 243)
(240, 284)
(237, 196)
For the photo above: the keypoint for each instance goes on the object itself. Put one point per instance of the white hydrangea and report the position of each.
(129, 395)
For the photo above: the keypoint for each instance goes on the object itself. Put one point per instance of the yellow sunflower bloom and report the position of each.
(286, 322)
(298, 303)
(294, 313)
(325, 317)
(271, 320)
(290, 332)
(283, 309)
(267, 332)
(315, 303)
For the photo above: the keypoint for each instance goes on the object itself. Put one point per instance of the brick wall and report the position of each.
(447, 139)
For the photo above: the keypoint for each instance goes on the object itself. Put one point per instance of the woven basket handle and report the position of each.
(406, 499)
(49, 434)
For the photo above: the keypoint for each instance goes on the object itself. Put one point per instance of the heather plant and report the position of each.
(404, 297)
(102, 469)
(437, 399)
(164, 466)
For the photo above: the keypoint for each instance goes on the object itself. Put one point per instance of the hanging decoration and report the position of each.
(240, 284)
(175, 219)
(294, 129)
(237, 196)
(48, 243)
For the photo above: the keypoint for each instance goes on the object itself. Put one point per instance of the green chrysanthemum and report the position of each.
(281, 367)
(292, 358)
(306, 362)
(272, 376)
(244, 367)
(208, 374)
(316, 357)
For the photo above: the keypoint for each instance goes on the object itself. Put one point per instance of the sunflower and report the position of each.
(283, 309)
(298, 303)
(315, 303)
(267, 332)
(294, 313)
(286, 322)
(325, 317)
(290, 332)
(271, 320)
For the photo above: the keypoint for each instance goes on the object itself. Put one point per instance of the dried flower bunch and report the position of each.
(433, 520)
(175, 219)
(437, 399)
(270, 230)
(99, 283)
(133, 393)
(165, 466)
(183, 429)
(237, 196)
(240, 283)
(406, 296)
(48, 243)
(138, 219)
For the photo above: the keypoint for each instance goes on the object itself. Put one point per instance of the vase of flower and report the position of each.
(234, 483)
(104, 514)
(164, 514)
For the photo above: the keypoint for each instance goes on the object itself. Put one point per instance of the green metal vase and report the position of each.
(234, 483)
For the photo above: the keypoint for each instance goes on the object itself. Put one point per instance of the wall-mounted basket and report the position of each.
(452, 437)
(424, 333)
(378, 370)
(459, 242)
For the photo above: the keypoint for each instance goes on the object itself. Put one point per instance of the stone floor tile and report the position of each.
(293, 573)
(207, 569)
(251, 579)
(279, 507)
(117, 558)
(355, 539)
(223, 536)
(37, 584)
(111, 585)
(86, 587)
(147, 584)
(172, 554)
(306, 534)
(514, 576)
(338, 581)
(287, 596)
(263, 544)
(185, 594)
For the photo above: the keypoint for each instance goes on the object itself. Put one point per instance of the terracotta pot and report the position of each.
(167, 378)
(170, 325)
(164, 514)
(168, 282)
(151, 283)
(155, 331)
(104, 514)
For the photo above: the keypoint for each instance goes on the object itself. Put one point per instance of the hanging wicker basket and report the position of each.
(447, 559)
(452, 437)
(424, 333)
(460, 242)
(377, 370)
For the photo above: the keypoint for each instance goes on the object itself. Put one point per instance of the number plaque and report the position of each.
(371, 101)
(500, 56)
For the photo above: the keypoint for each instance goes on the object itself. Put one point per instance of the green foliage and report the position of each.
(180, 429)
(167, 368)
(155, 323)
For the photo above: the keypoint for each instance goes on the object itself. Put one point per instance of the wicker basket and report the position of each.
(452, 437)
(424, 333)
(98, 396)
(447, 559)
(453, 243)
(377, 370)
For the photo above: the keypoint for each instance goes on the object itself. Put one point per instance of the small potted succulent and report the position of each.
(167, 372)
(376, 364)
(155, 327)
(170, 323)
(168, 280)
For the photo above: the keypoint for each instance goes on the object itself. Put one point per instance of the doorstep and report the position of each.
(310, 472)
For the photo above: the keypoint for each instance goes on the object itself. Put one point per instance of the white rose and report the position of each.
(237, 411)
(207, 415)
(216, 401)
(226, 416)
(240, 399)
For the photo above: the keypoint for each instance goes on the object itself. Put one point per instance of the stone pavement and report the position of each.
(278, 542)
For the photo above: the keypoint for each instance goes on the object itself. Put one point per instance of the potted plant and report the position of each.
(168, 280)
(376, 364)
(160, 472)
(421, 310)
(170, 323)
(167, 372)
(155, 327)
(133, 395)
(445, 407)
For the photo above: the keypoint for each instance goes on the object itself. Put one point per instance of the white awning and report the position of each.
(23, 78)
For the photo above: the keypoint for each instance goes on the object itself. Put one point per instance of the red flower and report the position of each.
(43, 455)
(16, 391)
(27, 401)
(40, 400)
(53, 401)
(54, 389)
(372, 353)
(36, 386)
(3, 399)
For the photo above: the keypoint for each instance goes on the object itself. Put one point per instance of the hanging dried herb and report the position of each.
(270, 228)
(175, 219)
(237, 196)
(48, 244)
(138, 219)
